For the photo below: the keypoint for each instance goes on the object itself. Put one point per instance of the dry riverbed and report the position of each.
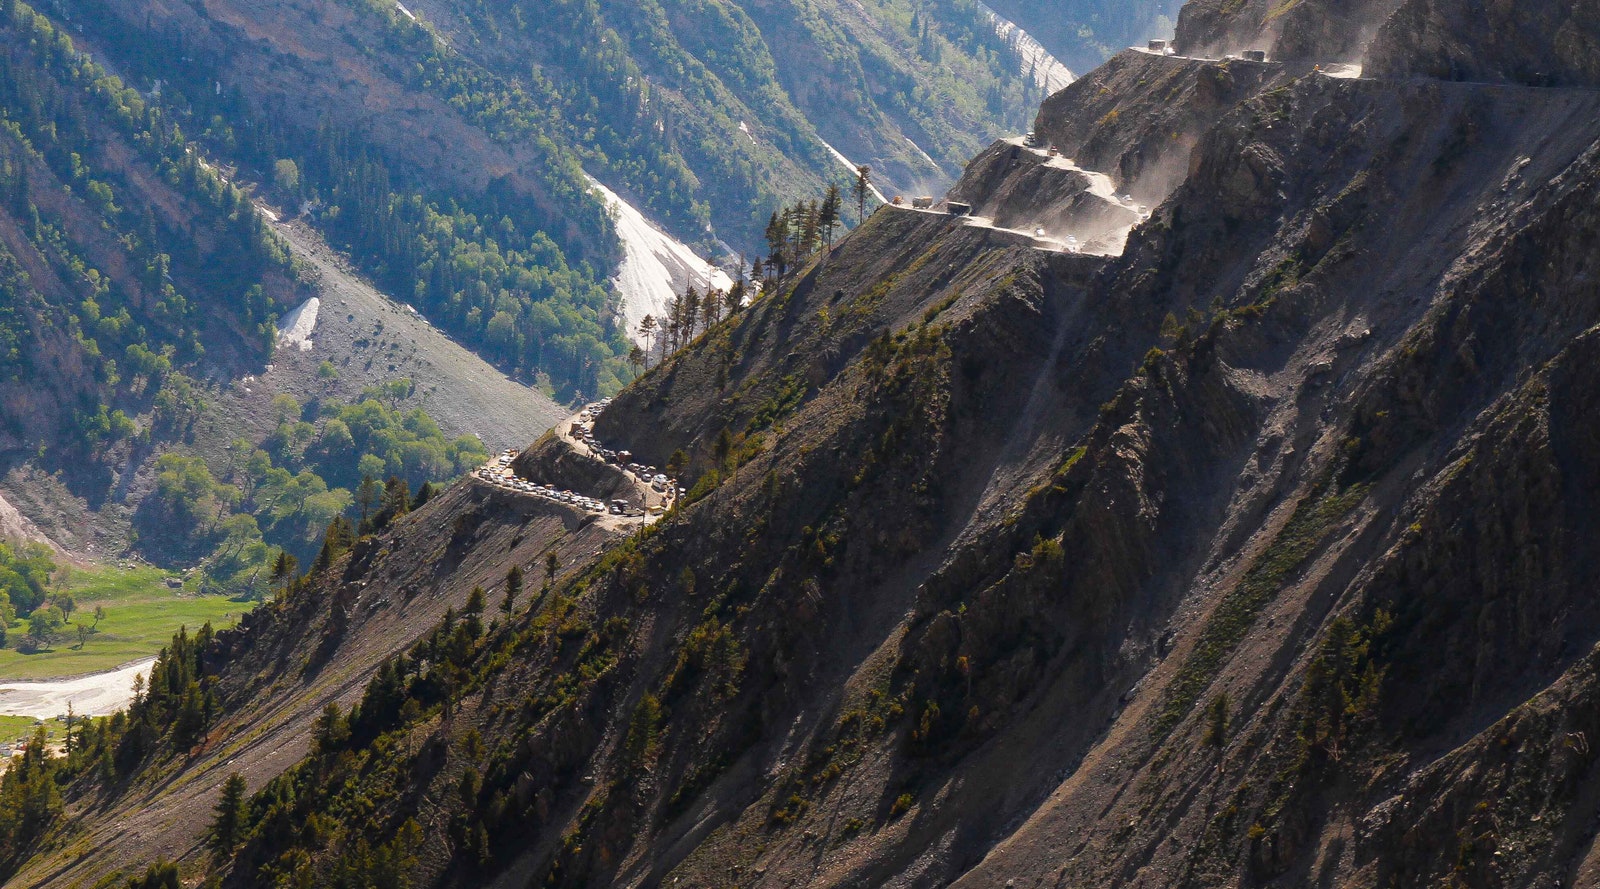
(98, 694)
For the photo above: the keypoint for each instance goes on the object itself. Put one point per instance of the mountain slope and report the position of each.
(1254, 553)
(371, 338)
(110, 231)
(142, 295)
(453, 132)
(1083, 35)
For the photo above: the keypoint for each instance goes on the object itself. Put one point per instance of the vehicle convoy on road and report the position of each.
(578, 433)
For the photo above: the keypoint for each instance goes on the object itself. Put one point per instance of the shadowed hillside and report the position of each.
(1250, 551)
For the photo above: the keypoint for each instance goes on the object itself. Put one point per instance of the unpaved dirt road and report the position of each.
(491, 476)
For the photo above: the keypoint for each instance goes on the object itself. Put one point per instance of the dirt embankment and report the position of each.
(1306, 30)
(1138, 117)
(555, 459)
(1023, 188)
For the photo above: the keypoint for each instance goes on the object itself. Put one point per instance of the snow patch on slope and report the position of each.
(655, 266)
(295, 329)
(852, 167)
(925, 156)
(1048, 72)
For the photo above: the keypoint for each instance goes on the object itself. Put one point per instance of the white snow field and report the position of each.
(295, 328)
(655, 266)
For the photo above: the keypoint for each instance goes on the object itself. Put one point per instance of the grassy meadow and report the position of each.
(141, 614)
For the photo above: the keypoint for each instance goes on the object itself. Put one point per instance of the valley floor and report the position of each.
(141, 615)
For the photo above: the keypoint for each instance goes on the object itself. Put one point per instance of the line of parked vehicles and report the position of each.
(583, 432)
(498, 472)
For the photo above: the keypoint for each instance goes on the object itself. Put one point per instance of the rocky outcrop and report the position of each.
(1309, 31)
(554, 461)
(1025, 189)
(1537, 44)
(16, 529)
(1137, 117)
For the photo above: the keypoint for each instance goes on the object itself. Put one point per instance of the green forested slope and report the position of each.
(444, 144)
(124, 258)
(134, 279)
(1084, 33)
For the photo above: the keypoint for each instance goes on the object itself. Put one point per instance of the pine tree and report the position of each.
(795, 224)
(335, 542)
(778, 243)
(862, 187)
(424, 494)
(283, 569)
(810, 227)
(828, 214)
(669, 327)
(711, 309)
(647, 332)
(228, 822)
(513, 588)
(690, 307)
(396, 500)
(332, 730)
(191, 719)
(161, 875)
(722, 451)
(1216, 733)
(368, 495)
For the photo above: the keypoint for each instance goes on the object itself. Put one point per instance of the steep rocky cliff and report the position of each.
(1315, 30)
(1255, 553)
(1540, 44)
(1139, 116)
